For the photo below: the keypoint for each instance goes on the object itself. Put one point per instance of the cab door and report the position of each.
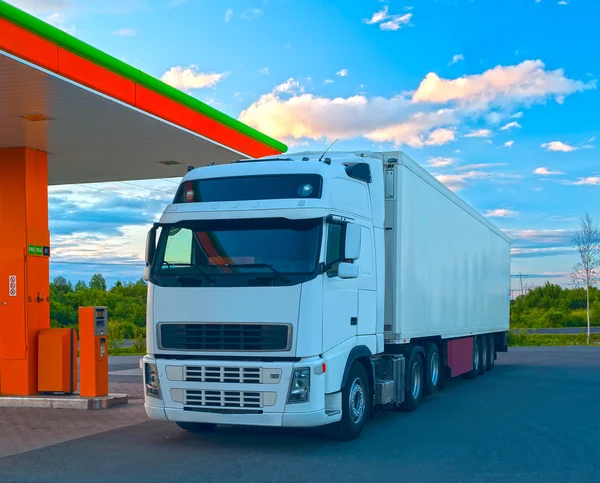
(340, 292)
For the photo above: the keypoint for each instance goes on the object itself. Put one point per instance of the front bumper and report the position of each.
(179, 400)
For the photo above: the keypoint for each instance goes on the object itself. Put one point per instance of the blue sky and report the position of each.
(498, 99)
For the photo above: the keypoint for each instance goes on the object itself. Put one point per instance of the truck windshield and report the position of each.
(272, 251)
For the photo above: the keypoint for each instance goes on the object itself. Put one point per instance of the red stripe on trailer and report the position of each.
(460, 356)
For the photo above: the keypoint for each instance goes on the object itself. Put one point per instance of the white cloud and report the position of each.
(563, 2)
(228, 15)
(187, 78)
(416, 132)
(41, 6)
(468, 167)
(342, 73)
(509, 144)
(389, 22)
(288, 113)
(510, 125)
(517, 115)
(501, 213)
(125, 32)
(290, 86)
(558, 146)
(526, 82)
(328, 81)
(546, 172)
(457, 58)
(440, 162)
(264, 71)
(591, 180)
(410, 117)
(251, 13)
(458, 182)
(479, 133)
(592, 139)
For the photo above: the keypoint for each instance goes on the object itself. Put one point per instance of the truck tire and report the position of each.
(483, 351)
(491, 352)
(356, 398)
(414, 381)
(433, 369)
(473, 373)
(196, 427)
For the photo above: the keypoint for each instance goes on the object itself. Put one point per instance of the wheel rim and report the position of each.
(416, 381)
(357, 401)
(435, 368)
(476, 355)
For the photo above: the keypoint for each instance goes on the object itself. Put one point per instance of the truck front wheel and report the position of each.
(196, 427)
(355, 406)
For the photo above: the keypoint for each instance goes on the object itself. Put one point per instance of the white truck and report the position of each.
(314, 289)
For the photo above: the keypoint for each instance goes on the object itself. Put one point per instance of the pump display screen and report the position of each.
(251, 188)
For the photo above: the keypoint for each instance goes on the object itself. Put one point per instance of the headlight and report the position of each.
(151, 379)
(300, 386)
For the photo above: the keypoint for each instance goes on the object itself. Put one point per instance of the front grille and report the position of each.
(224, 337)
(222, 399)
(241, 375)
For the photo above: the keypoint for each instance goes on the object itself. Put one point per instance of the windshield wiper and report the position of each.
(277, 273)
(202, 272)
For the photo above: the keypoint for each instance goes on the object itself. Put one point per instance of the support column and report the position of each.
(24, 266)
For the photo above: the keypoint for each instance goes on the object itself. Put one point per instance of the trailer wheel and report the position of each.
(414, 381)
(483, 351)
(355, 406)
(491, 362)
(196, 427)
(473, 373)
(433, 369)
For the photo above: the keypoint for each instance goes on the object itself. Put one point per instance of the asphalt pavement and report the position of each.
(532, 419)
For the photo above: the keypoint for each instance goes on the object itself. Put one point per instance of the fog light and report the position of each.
(300, 386)
(151, 380)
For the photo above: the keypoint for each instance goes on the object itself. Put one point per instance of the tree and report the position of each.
(97, 282)
(79, 286)
(62, 284)
(587, 243)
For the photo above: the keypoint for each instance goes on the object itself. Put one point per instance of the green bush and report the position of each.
(524, 339)
(115, 335)
(139, 341)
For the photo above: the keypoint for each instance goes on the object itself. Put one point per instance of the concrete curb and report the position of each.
(64, 402)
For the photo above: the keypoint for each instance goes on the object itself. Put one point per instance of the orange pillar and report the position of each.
(24, 266)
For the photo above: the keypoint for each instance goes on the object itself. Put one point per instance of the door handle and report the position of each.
(353, 320)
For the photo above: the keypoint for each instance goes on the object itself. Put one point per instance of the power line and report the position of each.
(147, 187)
(97, 263)
(122, 194)
(170, 181)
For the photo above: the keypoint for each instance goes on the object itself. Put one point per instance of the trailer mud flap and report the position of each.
(460, 356)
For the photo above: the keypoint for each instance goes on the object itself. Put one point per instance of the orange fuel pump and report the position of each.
(93, 351)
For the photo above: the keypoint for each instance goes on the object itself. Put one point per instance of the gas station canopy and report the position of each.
(70, 113)
(100, 119)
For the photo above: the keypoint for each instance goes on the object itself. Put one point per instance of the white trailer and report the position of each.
(311, 289)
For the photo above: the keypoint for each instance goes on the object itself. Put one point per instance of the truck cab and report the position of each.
(265, 294)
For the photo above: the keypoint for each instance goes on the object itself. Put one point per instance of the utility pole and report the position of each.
(520, 276)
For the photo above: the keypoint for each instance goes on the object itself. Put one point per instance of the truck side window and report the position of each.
(334, 242)
(179, 247)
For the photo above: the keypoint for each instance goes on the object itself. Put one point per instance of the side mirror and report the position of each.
(348, 270)
(150, 246)
(146, 275)
(352, 245)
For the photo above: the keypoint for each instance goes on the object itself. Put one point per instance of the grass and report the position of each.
(523, 339)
